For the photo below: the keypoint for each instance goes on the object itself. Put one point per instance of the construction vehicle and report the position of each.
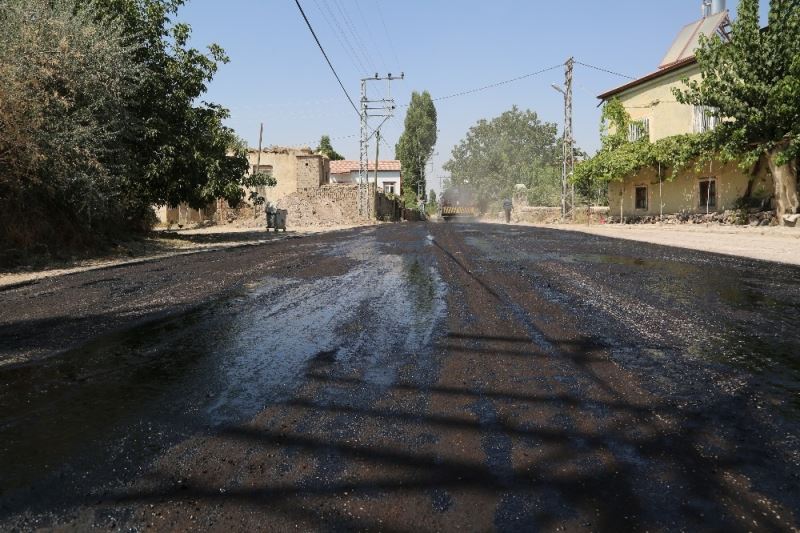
(459, 201)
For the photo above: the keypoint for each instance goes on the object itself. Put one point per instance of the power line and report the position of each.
(493, 85)
(359, 44)
(371, 37)
(388, 33)
(355, 108)
(605, 70)
(346, 46)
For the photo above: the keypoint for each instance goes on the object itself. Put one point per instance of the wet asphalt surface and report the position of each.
(407, 377)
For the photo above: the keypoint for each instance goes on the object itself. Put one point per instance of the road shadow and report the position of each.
(559, 444)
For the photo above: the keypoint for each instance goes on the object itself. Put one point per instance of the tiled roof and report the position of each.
(346, 166)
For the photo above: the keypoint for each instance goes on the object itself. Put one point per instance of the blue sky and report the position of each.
(278, 76)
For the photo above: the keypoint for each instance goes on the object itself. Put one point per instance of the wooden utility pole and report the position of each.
(258, 160)
(260, 139)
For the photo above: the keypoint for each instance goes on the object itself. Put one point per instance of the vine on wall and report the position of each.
(620, 157)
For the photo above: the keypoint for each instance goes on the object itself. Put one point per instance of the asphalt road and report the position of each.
(407, 377)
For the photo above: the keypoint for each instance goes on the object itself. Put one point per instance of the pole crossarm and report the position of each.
(385, 110)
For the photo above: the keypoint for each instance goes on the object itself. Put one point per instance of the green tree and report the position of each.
(101, 117)
(65, 76)
(416, 144)
(179, 149)
(431, 206)
(753, 84)
(327, 150)
(516, 147)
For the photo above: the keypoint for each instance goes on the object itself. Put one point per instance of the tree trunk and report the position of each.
(787, 201)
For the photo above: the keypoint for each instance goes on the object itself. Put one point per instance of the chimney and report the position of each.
(712, 7)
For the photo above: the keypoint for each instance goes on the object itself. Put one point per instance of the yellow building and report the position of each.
(656, 113)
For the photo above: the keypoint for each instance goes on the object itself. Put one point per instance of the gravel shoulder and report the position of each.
(777, 244)
(163, 245)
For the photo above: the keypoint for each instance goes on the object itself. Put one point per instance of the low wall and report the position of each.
(326, 206)
(549, 215)
(183, 215)
(329, 205)
(388, 209)
(532, 215)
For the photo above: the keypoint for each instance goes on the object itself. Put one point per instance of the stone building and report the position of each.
(294, 169)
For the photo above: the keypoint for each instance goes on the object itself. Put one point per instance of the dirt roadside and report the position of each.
(164, 244)
(776, 244)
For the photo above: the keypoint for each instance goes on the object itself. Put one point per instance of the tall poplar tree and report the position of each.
(416, 144)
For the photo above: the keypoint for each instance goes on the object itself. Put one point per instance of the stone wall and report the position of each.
(311, 172)
(388, 209)
(183, 215)
(329, 205)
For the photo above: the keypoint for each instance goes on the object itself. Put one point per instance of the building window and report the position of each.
(704, 119)
(263, 169)
(708, 193)
(388, 187)
(639, 129)
(641, 197)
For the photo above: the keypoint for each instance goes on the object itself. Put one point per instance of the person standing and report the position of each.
(508, 205)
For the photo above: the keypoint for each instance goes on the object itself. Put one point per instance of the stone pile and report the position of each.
(730, 217)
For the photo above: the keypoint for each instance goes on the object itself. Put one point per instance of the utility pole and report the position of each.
(569, 134)
(363, 147)
(384, 108)
(258, 157)
(568, 165)
(377, 154)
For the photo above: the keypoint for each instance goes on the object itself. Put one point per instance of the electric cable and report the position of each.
(601, 69)
(313, 33)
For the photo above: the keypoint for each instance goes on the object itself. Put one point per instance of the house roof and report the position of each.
(346, 166)
(282, 150)
(644, 79)
(688, 39)
(681, 52)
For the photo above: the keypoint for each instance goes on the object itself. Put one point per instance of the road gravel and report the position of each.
(406, 377)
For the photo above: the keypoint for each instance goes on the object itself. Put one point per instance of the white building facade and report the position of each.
(389, 174)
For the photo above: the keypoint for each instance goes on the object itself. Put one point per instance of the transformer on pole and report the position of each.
(363, 155)
(385, 108)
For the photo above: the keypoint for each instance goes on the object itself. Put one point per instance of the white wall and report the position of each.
(384, 177)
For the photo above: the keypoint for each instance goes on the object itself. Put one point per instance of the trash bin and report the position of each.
(272, 216)
(280, 219)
